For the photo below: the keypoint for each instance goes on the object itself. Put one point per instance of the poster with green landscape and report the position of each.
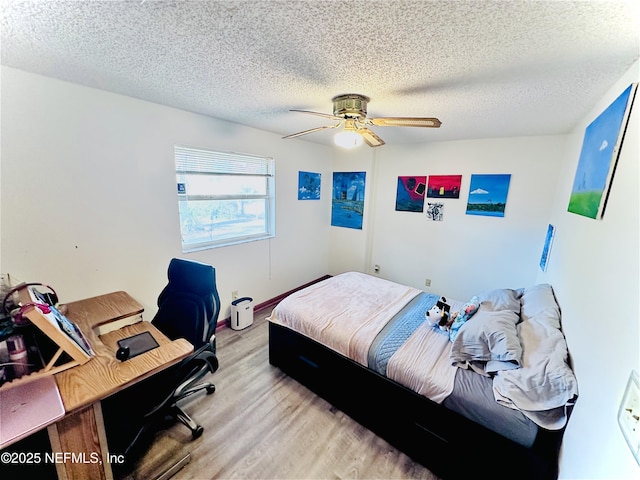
(598, 157)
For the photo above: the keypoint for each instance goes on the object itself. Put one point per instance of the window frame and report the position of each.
(214, 163)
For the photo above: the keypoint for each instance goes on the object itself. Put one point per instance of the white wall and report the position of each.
(463, 254)
(89, 205)
(594, 265)
(594, 268)
(349, 247)
(89, 201)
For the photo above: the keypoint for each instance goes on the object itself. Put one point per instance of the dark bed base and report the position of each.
(448, 444)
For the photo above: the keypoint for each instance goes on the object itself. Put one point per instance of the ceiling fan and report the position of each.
(350, 111)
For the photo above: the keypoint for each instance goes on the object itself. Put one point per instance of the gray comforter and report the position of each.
(515, 337)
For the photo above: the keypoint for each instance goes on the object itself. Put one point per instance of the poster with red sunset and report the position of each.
(444, 186)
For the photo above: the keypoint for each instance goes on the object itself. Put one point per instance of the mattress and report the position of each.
(382, 325)
(471, 395)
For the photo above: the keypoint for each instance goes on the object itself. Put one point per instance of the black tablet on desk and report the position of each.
(137, 344)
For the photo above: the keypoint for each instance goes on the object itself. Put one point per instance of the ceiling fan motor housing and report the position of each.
(351, 105)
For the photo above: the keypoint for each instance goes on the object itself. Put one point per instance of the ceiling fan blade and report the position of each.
(404, 122)
(311, 130)
(325, 115)
(370, 138)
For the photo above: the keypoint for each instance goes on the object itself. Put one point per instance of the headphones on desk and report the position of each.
(17, 313)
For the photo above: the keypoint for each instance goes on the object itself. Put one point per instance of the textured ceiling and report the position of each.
(484, 68)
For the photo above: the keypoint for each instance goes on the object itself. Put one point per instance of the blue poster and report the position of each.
(488, 195)
(598, 157)
(347, 205)
(308, 186)
(410, 194)
(548, 241)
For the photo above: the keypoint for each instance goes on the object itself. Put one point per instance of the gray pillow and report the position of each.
(501, 299)
(488, 342)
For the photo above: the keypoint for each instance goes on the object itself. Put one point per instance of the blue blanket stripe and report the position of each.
(398, 330)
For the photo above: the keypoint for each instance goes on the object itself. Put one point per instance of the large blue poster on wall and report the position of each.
(347, 203)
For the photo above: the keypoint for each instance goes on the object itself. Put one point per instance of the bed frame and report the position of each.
(448, 444)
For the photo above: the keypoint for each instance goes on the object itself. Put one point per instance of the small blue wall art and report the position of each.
(546, 250)
(309, 186)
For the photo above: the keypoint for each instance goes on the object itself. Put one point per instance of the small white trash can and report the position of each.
(241, 313)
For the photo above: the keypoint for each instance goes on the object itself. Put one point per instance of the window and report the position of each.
(223, 198)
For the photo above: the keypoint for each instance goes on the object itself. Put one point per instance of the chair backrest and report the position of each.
(188, 307)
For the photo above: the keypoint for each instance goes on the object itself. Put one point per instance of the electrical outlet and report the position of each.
(629, 414)
(234, 295)
(376, 268)
(427, 282)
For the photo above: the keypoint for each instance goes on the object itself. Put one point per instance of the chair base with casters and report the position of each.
(132, 424)
(168, 411)
(170, 408)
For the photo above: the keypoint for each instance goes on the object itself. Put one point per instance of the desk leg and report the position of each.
(79, 444)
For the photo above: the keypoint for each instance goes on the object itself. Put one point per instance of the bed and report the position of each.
(493, 401)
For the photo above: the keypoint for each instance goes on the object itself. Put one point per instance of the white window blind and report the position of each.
(224, 198)
(194, 160)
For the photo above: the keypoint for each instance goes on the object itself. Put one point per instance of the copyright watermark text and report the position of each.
(26, 458)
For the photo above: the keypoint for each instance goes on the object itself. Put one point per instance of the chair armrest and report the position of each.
(209, 357)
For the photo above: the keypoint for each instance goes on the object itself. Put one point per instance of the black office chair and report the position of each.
(188, 307)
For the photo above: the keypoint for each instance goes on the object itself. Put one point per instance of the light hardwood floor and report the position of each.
(261, 424)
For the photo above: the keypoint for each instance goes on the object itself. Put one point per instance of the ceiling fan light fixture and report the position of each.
(350, 111)
(348, 139)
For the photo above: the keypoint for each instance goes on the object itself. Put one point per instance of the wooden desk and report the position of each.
(81, 432)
